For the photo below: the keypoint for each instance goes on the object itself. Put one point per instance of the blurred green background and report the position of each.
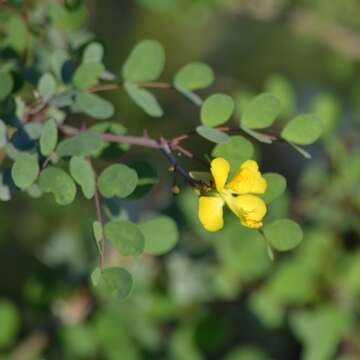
(215, 296)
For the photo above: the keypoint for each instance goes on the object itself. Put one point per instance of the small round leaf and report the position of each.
(47, 86)
(59, 183)
(114, 282)
(25, 170)
(276, 185)
(144, 99)
(216, 110)
(145, 62)
(48, 138)
(10, 323)
(283, 234)
(117, 180)
(194, 76)
(261, 111)
(3, 134)
(236, 151)
(87, 75)
(84, 144)
(303, 129)
(93, 53)
(161, 235)
(126, 237)
(94, 106)
(212, 135)
(83, 174)
(6, 84)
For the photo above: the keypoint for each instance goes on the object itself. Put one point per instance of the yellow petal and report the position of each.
(211, 212)
(249, 208)
(220, 170)
(248, 179)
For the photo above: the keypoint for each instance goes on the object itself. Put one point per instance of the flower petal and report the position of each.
(249, 208)
(211, 212)
(220, 170)
(248, 179)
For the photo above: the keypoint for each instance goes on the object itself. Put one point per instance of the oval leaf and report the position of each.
(95, 106)
(3, 134)
(236, 151)
(114, 282)
(216, 110)
(213, 135)
(283, 234)
(87, 75)
(83, 174)
(303, 129)
(261, 111)
(49, 137)
(144, 99)
(6, 84)
(47, 86)
(276, 185)
(93, 53)
(117, 180)
(194, 76)
(25, 170)
(84, 144)
(161, 235)
(59, 183)
(145, 62)
(126, 237)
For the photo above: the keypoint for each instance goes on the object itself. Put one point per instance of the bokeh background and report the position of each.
(213, 296)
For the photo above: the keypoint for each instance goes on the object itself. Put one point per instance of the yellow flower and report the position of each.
(236, 194)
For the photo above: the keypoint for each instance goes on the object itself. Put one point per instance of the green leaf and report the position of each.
(258, 136)
(59, 183)
(216, 110)
(98, 232)
(236, 151)
(144, 99)
(328, 109)
(83, 174)
(194, 98)
(145, 62)
(283, 234)
(117, 180)
(280, 87)
(213, 135)
(6, 84)
(194, 76)
(147, 178)
(126, 237)
(276, 185)
(4, 189)
(47, 86)
(84, 144)
(115, 282)
(49, 137)
(87, 75)
(303, 129)
(3, 134)
(261, 111)
(25, 170)
(96, 276)
(93, 53)
(17, 33)
(94, 106)
(161, 235)
(300, 150)
(10, 323)
(58, 59)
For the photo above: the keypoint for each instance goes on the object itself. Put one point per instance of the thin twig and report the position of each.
(101, 221)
